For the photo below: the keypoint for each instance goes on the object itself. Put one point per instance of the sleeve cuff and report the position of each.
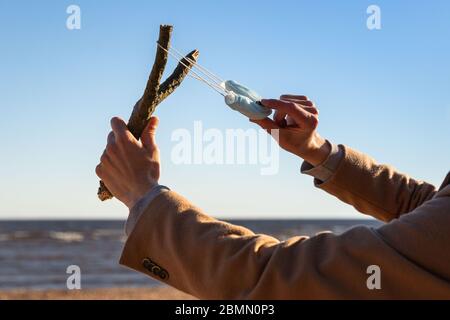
(325, 170)
(141, 205)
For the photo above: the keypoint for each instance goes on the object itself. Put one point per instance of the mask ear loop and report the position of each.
(213, 84)
(210, 75)
(201, 71)
(197, 77)
(241, 103)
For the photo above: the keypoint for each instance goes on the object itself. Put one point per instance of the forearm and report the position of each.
(201, 255)
(176, 243)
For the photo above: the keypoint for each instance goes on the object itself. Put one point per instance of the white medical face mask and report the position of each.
(245, 101)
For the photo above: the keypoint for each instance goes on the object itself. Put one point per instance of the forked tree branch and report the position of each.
(155, 93)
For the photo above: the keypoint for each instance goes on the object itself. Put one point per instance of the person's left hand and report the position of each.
(128, 167)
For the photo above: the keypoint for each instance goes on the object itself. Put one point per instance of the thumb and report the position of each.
(148, 135)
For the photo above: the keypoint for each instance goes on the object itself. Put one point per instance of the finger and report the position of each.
(280, 118)
(312, 110)
(287, 107)
(103, 172)
(267, 124)
(105, 160)
(112, 149)
(104, 175)
(118, 125)
(110, 138)
(302, 102)
(295, 97)
(306, 105)
(99, 171)
(121, 132)
(103, 156)
(111, 158)
(149, 133)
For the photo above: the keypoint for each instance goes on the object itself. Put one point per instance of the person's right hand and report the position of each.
(130, 167)
(296, 118)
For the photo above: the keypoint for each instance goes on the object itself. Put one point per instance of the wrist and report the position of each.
(135, 196)
(316, 150)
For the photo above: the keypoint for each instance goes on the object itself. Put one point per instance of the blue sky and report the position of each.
(385, 92)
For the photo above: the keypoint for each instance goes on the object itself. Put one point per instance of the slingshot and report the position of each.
(237, 96)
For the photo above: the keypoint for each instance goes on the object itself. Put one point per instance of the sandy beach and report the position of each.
(157, 293)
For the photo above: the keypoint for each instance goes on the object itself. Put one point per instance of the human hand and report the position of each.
(130, 167)
(296, 118)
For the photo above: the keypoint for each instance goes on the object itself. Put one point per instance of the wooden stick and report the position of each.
(155, 93)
